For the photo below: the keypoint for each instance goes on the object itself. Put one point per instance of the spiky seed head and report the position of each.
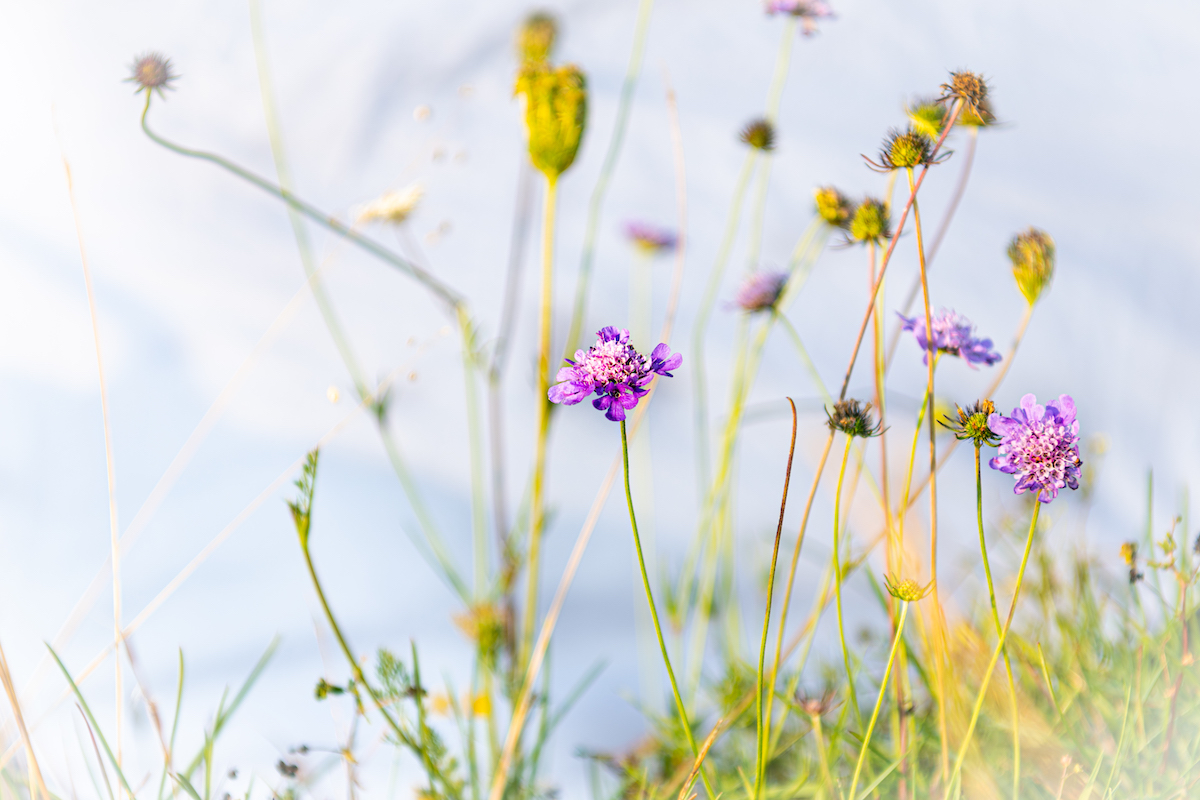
(906, 149)
(536, 38)
(759, 134)
(832, 206)
(926, 115)
(907, 590)
(816, 706)
(151, 72)
(870, 222)
(1032, 256)
(970, 87)
(972, 423)
(852, 418)
(555, 114)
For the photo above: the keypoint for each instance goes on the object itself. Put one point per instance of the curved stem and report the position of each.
(596, 203)
(862, 753)
(443, 292)
(837, 585)
(662, 645)
(760, 773)
(987, 674)
(987, 570)
(537, 490)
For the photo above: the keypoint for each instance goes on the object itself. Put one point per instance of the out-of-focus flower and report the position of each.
(555, 114)
(1039, 445)
(852, 418)
(870, 223)
(152, 73)
(972, 423)
(759, 134)
(650, 239)
(1032, 256)
(971, 89)
(816, 706)
(536, 38)
(807, 11)
(907, 590)
(952, 334)
(904, 150)
(927, 115)
(832, 206)
(761, 291)
(613, 370)
(392, 207)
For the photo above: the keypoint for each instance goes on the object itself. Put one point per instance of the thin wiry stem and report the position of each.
(862, 753)
(837, 586)
(542, 425)
(596, 203)
(987, 571)
(662, 644)
(987, 673)
(760, 772)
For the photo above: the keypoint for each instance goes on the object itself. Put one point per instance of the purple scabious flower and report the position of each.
(1040, 445)
(649, 238)
(761, 291)
(613, 370)
(952, 333)
(808, 11)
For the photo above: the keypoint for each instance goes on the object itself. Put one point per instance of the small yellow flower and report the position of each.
(439, 704)
(481, 705)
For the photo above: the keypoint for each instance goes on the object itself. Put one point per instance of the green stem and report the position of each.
(862, 753)
(837, 585)
(760, 772)
(537, 492)
(987, 674)
(987, 571)
(662, 645)
(595, 204)
(826, 774)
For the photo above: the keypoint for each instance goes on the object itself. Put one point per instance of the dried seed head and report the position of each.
(970, 87)
(852, 418)
(555, 114)
(151, 72)
(759, 134)
(870, 222)
(816, 706)
(536, 38)
(832, 206)
(1032, 256)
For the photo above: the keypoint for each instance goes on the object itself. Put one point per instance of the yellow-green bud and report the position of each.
(907, 590)
(906, 149)
(1032, 256)
(536, 37)
(555, 114)
(870, 222)
(832, 206)
(759, 134)
(927, 116)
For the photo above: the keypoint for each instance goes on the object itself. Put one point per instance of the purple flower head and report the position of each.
(649, 238)
(952, 334)
(761, 291)
(1040, 445)
(613, 370)
(809, 11)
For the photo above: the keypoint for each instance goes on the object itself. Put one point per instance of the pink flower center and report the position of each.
(613, 362)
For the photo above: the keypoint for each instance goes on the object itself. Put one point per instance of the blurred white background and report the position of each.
(192, 267)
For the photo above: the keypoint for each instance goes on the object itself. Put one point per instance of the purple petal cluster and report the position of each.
(952, 334)
(761, 291)
(613, 370)
(809, 11)
(1039, 445)
(649, 238)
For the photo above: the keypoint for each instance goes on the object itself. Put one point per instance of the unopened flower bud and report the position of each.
(759, 134)
(555, 114)
(904, 150)
(870, 223)
(907, 590)
(832, 206)
(536, 38)
(1032, 256)
(926, 115)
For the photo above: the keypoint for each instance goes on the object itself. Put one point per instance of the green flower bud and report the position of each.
(832, 206)
(759, 134)
(536, 38)
(852, 418)
(905, 149)
(907, 590)
(927, 115)
(870, 222)
(972, 423)
(555, 114)
(1032, 256)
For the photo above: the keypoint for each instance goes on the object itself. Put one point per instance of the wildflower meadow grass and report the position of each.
(862, 551)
